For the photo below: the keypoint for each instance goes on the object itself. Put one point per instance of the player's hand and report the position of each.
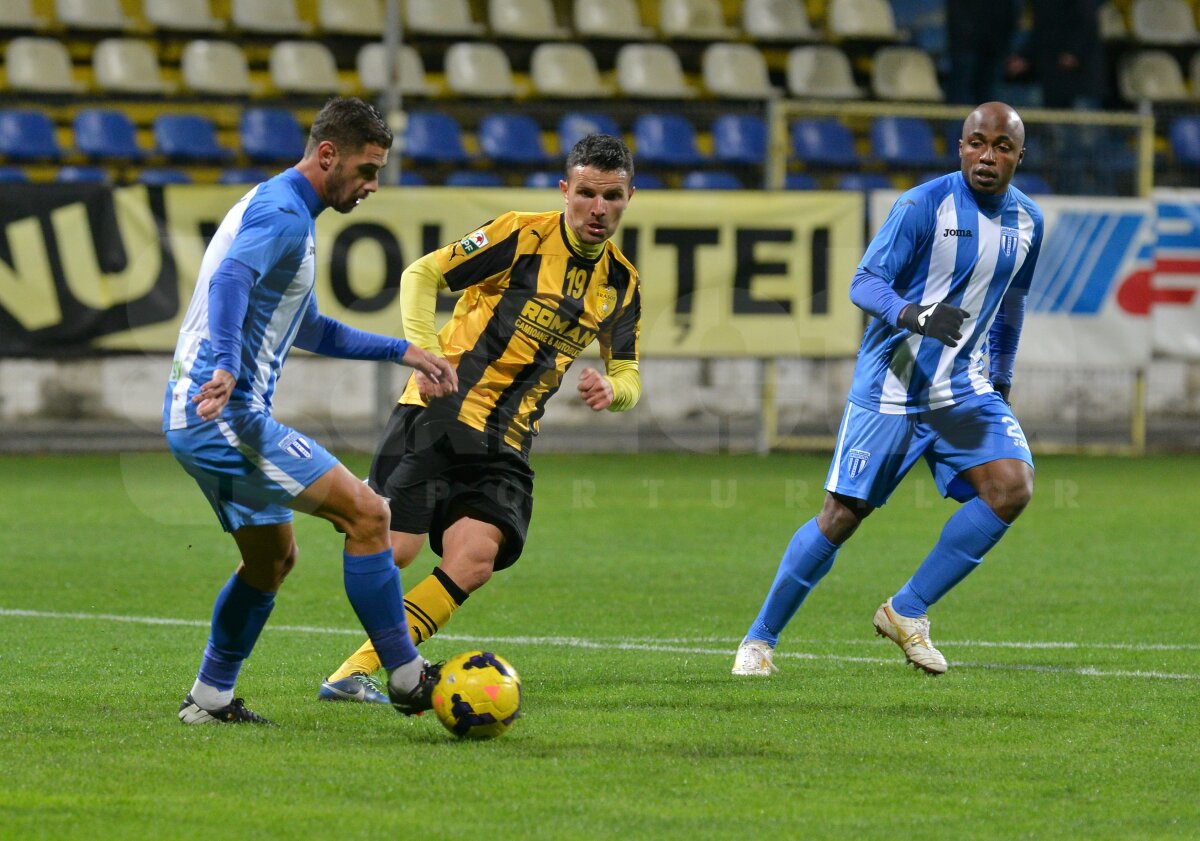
(939, 321)
(1002, 389)
(214, 395)
(595, 390)
(435, 376)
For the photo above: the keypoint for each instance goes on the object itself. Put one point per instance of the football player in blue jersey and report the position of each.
(944, 282)
(253, 302)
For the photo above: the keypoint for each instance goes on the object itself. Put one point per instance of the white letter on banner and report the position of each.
(28, 293)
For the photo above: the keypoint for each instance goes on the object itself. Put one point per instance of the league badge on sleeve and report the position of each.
(474, 242)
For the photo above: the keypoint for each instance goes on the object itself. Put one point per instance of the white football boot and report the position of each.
(754, 658)
(912, 635)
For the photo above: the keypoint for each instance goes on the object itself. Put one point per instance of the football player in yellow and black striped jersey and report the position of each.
(537, 289)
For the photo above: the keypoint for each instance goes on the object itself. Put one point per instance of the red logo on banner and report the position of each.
(1138, 293)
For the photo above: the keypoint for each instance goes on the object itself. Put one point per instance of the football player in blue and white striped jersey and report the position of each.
(945, 281)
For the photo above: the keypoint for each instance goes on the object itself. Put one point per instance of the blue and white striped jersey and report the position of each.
(272, 231)
(942, 243)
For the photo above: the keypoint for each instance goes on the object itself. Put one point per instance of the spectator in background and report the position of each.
(979, 35)
(1065, 53)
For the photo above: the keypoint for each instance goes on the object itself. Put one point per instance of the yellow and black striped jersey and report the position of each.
(531, 304)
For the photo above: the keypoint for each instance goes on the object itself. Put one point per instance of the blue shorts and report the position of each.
(875, 451)
(249, 466)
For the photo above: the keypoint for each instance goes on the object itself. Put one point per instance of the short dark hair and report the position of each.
(603, 151)
(350, 124)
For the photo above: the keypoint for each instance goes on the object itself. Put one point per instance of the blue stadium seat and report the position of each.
(574, 125)
(905, 142)
(646, 181)
(512, 139)
(470, 178)
(667, 139)
(27, 135)
(800, 181)
(271, 134)
(435, 137)
(865, 181)
(1185, 140)
(1032, 184)
(408, 178)
(188, 137)
(243, 175)
(82, 175)
(13, 175)
(823, 142)
(739, 139)
(708, 179)
(160, 177)
(106, 134)
(544, 179)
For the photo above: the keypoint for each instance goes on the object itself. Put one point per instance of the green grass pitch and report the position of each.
(1070, 709)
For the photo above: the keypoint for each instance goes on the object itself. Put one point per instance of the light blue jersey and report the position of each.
(271, 230)
(939, 244)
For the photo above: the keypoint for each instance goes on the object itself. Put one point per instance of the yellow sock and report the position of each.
(429, 606)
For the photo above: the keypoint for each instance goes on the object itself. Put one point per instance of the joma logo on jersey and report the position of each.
(957, 232)
(554, 326)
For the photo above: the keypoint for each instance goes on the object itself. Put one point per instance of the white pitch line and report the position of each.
(679, 646)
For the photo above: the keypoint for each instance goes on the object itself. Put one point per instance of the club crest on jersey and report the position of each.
(856, 462)
(607, 299)
(1008, 241)
(296, 445)
(474, 242)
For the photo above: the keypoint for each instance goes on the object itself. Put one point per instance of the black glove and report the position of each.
(1002, 389)
(938, 321)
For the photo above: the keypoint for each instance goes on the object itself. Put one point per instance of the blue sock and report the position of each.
(239, 615)
(808, 556)
(966, 538)
(373, 587)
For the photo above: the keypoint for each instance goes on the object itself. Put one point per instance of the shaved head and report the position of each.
(992, 145)
(999, 117)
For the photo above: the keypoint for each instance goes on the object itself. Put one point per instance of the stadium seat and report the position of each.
(372, 69)
(363, 18)
(243, 175)
(651, 71)
(566, 70)
(1032, 184)
(905, 142)
(574, 125)
(1185, 140)
(95, 15)
(861, 19)
(618, 19)
(408, 178)
(544, 179)
(127, 65)
(13, 175)
(181, 15)
(739, 139)
(820, 72)
(440, 17)
(303, 67)
(667, 139)
(27, 135)
(1163, 22)
(707, 179)
(188, 137)
(471, 178)
(163, 177)
(524, 20)
(800, 181)
(1112, 23)
(271, 135)
(215, 68)
(646, 181)
(905, 73)
(736, 71)
(434, 137)
(268, 17)
(823, 142)
(476, 69)
(702, 19)
(1151, 76)
(18, 15)
(511, 139)
(82, 175)
(865, 182)
(106, 135)
(40, 65)
(776, 20)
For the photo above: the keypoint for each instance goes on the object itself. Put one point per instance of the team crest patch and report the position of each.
(296, 445)
(1008, 241)
(608, 299)
(474, 242)
(856, 462)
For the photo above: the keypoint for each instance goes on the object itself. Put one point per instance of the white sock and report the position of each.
(405, 678)
(209, 697)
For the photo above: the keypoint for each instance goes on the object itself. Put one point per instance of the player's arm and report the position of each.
(620, 387)
(419, 286)
(1005, 332)
(228, 300)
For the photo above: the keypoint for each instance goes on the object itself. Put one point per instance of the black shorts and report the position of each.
(433, 471)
